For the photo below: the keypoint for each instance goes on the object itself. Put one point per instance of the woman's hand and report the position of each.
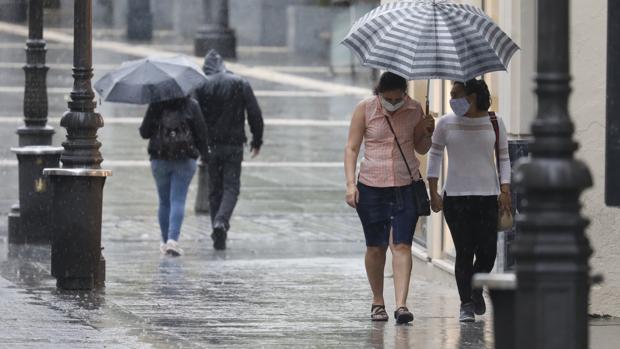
(436, 202)
(353, 195)
(505, 202)
(429, 124)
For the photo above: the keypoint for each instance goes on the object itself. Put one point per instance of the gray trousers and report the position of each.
(224, 168)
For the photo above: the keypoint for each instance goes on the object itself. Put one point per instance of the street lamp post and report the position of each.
(216, 34)
(139, 20)
(28, 221)
(551, 248)
(77, 261)
(35, 131)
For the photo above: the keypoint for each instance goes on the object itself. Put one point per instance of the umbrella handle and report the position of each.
(428, 87)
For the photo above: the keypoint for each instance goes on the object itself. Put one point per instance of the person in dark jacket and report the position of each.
(225, 99)
(177, 137)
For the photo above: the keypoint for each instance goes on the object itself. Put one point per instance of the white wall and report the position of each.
(587, 107)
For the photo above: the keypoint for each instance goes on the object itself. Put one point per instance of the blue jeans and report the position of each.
(172, 178)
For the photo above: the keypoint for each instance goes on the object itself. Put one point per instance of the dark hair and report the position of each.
(480, 88)
(389, 82)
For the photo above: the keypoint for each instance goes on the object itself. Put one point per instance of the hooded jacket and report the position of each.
(225, 98)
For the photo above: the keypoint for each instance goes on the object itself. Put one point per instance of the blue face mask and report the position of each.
(460, 106)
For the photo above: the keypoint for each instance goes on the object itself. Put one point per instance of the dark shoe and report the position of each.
(403, 315)
(467, 312)
(378, 313)
(480, 306)
(219, 238)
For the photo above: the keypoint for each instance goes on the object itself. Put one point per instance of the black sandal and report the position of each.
(378, 313)
(403, 315)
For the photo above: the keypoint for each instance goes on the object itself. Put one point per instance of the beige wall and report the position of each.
(587, 107)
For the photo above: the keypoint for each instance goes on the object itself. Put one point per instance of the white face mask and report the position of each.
(460, 106)
(391, 107)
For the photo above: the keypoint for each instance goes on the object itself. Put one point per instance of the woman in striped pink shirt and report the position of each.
(383, 192)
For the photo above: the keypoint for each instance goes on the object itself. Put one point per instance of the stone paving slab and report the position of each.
(29, 322)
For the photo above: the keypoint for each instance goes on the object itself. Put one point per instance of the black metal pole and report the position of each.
(77, 262)
(139, 20)
(216, 33)
(551, 248)
(612, 153)
(35, 131)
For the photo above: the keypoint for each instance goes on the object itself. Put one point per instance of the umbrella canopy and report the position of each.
(150, 80)
(430, 39)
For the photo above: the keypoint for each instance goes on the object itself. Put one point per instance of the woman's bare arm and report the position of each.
(354, 142)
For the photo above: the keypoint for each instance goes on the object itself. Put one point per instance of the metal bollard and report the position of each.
(35, 195)
(202, 197)
(14, 225)
(76, 222)
(502, 291)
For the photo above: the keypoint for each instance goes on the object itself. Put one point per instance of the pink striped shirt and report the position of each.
(383, 165)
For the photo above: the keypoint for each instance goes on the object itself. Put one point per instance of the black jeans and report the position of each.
(224, 166)
(473, 224)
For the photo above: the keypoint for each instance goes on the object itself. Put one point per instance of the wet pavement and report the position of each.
(293, 275)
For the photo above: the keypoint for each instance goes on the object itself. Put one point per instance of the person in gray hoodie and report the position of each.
(225, 99)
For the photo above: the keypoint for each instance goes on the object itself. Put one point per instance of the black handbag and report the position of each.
(420, 194)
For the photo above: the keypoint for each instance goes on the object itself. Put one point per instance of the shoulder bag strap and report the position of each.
(400, 149)
(496, 130)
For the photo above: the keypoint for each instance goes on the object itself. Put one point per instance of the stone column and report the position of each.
(216, 34)
(13, 11)
(139, 20)
(55, 4)
(77, 262)
(551, 249)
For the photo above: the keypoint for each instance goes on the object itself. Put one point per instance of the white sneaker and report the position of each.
(163, 247)
(173, 248)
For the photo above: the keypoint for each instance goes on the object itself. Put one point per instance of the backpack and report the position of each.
(175, 136)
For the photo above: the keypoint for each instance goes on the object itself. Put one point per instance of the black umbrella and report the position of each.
(150, 80)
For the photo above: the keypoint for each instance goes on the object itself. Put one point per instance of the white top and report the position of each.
(471, 155)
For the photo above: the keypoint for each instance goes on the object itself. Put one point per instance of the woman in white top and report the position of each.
(473, 191)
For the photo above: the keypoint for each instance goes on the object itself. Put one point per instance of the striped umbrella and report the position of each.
(430, 39)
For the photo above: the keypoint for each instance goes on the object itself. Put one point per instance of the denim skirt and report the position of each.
(384, 209)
